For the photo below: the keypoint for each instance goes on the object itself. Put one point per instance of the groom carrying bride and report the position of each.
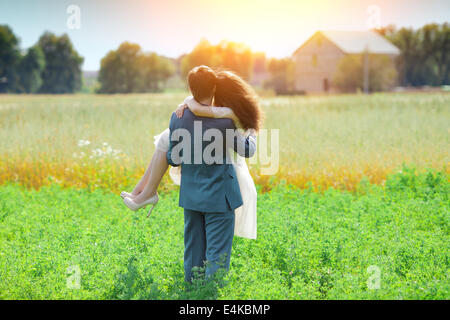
(217, 190)
(209, 192)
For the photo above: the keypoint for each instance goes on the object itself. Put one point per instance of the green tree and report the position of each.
(128, 69)
(9, 59)
(155, 70)
(259, 62)
(203, 54)
(236, 57)
(228, 55)
(424, 58)
(62, 72)
(119, 71)
(436, 47)
(282, 75)
(30, 69)
(349, 73)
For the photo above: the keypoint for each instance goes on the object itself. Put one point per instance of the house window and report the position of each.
(314, 60)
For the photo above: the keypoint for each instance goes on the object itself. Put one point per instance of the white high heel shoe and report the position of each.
(134, 206)
(124, 194)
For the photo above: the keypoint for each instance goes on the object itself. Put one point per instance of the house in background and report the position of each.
(317, 59)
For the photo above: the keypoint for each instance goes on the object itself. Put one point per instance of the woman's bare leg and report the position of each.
(141, 184)
(158, 166)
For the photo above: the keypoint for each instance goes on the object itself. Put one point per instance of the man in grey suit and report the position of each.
(209, 190)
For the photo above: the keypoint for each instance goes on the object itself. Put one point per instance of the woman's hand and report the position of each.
(180, 110)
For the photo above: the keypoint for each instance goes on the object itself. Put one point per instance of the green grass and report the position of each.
(315, 132)
(310, 245)
(326, 140)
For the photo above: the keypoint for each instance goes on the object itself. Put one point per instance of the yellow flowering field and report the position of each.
(106, 141)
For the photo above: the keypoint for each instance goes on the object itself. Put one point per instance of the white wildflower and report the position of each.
(82, 143)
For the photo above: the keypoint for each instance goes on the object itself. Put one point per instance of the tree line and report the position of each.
(425, 53)
(52, 65)
(424, 60)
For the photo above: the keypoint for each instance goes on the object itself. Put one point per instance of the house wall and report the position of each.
(311, 73)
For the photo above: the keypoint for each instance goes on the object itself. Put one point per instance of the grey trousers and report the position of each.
(207, 237)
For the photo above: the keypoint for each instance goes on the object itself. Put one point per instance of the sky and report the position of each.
(174, 27)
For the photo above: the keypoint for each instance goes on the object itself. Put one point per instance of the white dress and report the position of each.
(245, 215)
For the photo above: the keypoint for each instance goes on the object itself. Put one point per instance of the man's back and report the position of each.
(206, 186)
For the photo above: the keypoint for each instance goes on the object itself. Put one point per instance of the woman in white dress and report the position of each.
(236, 100)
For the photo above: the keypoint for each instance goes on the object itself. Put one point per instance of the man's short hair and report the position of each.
(202, 82)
